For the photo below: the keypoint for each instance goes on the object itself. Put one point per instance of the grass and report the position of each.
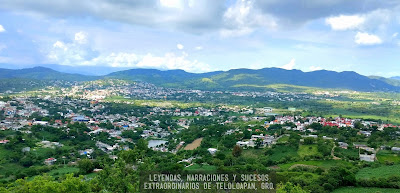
(281, 151)
(351, 154)
(281, 87)
(204, 168)
(365, 190)
(62, 171)
(91, 175)
(320, 163)
(307, 150)
(252, 153)
(283, 139)
(9, 168)
(43, 152)
(385, 155)
(155, 103)
(383, 171)
(3, 152)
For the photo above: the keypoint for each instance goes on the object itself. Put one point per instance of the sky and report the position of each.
(203, 35)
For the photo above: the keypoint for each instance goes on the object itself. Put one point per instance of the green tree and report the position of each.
(289, 188)
(237, 151)
(85, 166)
(308, 140)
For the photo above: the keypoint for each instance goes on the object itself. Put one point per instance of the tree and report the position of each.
(316, 126)
(119, 178)
(247, 134)
(259, 143)
(308, 140)
(85, 166)
(294, 140)
(142, 144)
(237, 151)
(289, 188)
(358, 125)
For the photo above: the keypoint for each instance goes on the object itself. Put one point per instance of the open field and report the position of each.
(62, 171)
(195, 144)
(155, 103)
(204, 168)
(251, 153)
(319, 163)
(365, 190)
(383, 171)
(281, 152)
(351, 154)
(283, 139)
(307, 150)
(385, 155)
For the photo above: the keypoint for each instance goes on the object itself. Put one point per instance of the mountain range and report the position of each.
(235, 79)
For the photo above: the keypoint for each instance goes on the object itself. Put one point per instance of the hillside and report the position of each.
(236, 79)
(392, 81)
(249, 79)
(42, 73)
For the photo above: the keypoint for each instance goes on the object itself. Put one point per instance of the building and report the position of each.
(245, 143)
(367, 158)
(50, 161)
(343, 145)
(396, 149)
(40, 123)
(212, 150)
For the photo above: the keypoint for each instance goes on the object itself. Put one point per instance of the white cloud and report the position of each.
(177, 4)
(172, 61)
(367, 39)
(75, 53)
(81, 37)
(2, 29)
(60, 44)
(315, 68)
(184, 15)
(290, 65)
(198, 48)
(395, 35)
(243, 18)
(345, 22)
(179, 46)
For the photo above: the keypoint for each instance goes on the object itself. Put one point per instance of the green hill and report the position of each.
(248, 79)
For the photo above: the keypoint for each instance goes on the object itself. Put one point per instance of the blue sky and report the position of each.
(202, 36)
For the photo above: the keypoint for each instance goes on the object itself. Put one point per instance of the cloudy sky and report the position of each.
(203, 35)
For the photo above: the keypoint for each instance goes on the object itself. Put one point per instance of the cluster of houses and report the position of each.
(18, 113)
(258, 140)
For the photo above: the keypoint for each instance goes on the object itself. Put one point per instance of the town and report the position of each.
(60, 129)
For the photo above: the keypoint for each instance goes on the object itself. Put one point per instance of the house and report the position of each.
(40, 123)
(26, 149)
(368, 158)
(396, 149)
(212, 150)
(245, 143)
(366, 133)
(80, 118)
(357, 145)
(343, 145)
(4, 141)
(86, 152)
(50, 161)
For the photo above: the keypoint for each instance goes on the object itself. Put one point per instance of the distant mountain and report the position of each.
(256, 79)
(392, 81)
(236, 79)
(395, 77)
(80, 69)
(42, 73)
